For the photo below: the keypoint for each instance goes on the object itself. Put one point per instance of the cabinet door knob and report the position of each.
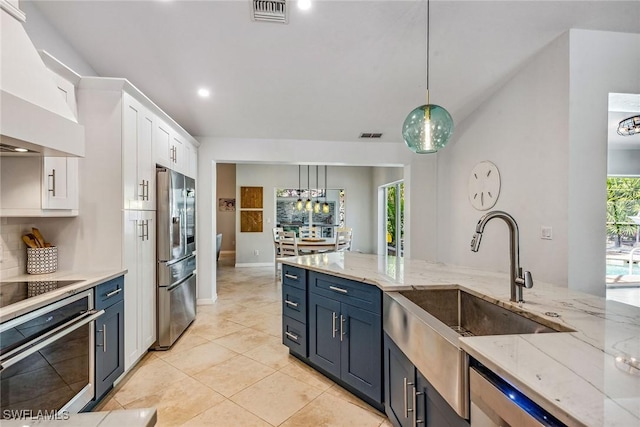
(104, 338)
(292, 336)
(342, 332)
(333, 324)
(291, 303)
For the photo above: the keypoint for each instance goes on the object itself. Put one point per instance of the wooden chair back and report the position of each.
(343, 239)
(288, 244)
(309, 232)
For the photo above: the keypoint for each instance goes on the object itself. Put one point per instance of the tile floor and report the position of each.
(231, 369)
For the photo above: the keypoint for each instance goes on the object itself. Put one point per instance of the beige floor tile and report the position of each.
(108, 404)
(147, 380)
(347, 396)
(233, 375)
(245, 316)
(386, 423)
(199, 358)
(276, 398)
(273, 354)
(244, 340)
(211, 328)
(300, 371)
(187, 341)
(328, 410)
(269, 324)
(179, 403)
(226, 414)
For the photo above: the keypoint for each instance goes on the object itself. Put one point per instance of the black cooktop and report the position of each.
(12, 292)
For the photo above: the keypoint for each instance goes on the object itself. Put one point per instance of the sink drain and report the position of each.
(551, 314)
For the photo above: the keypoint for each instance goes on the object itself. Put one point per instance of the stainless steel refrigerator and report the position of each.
(176, 205)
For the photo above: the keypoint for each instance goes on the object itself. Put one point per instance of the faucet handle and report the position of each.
(528, 280)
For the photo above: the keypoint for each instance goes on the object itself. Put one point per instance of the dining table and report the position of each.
(314, 245)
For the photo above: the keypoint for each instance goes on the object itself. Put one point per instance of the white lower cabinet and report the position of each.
(140, 284)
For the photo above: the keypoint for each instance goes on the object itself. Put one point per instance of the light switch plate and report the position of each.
(546, 232)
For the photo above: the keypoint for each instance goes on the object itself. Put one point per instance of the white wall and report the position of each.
(623, 162)
(45, 36)
(523, 129)
(597, 68)
(226, 220)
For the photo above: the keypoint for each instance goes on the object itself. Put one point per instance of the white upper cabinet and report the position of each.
(172, 150)
(138, 168)
(60, 183)
(38, 186)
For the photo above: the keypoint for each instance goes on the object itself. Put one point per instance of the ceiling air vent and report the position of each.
(269, 10)
(370, 135)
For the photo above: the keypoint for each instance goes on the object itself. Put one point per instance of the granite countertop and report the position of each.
(144, 417)
(580, 376)
(86, 280)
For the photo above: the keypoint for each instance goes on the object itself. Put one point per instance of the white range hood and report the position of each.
(33, 113)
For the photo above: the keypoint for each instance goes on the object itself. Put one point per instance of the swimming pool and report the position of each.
(621, 270)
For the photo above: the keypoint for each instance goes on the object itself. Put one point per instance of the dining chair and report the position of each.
(277, 233)
(288, 244)
(309, 232)
(343, 239)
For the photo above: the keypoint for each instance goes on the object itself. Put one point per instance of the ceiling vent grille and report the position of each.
(269, 10)
(369, 135)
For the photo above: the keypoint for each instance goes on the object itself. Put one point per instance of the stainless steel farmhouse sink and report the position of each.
(426, 325)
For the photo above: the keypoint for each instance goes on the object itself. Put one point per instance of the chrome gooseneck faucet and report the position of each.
(518, 279)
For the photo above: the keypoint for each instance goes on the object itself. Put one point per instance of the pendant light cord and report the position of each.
(428, 41)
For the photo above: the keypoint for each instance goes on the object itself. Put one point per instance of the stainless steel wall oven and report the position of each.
(47, 358)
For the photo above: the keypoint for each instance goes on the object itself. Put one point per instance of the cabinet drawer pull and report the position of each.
(291, 276)
(114, 292)
(334, 288)
(404, 397)
(416, 393)
(333, 325)
(104, 338)
(53, 179)
(291, 303)
(292, 336)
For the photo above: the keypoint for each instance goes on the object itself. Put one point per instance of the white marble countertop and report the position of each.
(144, 417)
(580, 377)
(86, 280)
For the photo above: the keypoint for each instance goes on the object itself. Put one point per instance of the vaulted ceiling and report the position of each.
(330, 73)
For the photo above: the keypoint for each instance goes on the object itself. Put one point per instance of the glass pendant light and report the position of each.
(325, 205)
(307, 204)
(427, 128)
(299, 201)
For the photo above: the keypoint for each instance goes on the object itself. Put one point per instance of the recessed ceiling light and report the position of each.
(304, 4)
(21, 150)
(204, 93)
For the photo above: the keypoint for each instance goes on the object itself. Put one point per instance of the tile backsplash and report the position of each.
(13, 253)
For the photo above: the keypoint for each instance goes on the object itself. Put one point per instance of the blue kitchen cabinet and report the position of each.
(294, 310)
(409, 397)
(109, 335)
(345, 333)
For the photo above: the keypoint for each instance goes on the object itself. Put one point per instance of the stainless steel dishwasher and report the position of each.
(496, 403)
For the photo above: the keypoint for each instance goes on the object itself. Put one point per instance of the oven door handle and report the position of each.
(31, 347)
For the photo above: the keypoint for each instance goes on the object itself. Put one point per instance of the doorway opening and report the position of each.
(623, 201)
(393, 221)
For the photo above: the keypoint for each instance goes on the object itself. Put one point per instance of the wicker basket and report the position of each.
(42, 260)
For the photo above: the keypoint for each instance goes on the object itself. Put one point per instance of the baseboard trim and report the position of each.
(206, 301)
(253, 264)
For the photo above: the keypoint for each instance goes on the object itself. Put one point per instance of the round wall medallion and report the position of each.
(484, 185)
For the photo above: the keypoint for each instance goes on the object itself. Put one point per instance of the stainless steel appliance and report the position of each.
(47, 356)
(497, 403)
(176, 276)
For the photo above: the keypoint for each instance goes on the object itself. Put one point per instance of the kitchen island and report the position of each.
(588, 377)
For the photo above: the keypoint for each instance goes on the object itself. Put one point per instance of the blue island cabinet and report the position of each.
(345, 333)
(109, 335)
(410, 399)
